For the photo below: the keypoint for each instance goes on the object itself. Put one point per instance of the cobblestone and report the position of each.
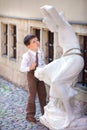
(12, 108)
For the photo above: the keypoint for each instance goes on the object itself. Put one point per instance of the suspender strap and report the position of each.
(72, 53)
(71, 50)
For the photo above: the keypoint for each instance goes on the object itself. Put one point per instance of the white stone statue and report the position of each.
(61, 75)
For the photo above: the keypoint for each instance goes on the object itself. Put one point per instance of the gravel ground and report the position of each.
(12, 108)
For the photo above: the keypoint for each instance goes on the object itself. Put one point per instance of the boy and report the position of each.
(29, 64)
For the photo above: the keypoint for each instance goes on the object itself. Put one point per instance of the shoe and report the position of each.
(31, 119)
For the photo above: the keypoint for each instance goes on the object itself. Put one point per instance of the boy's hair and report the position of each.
(27, 39)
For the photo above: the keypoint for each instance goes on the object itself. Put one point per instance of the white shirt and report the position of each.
(28, 58)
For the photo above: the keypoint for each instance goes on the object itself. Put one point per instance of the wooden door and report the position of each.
(85, 60)
(37, 33)
(50, 46)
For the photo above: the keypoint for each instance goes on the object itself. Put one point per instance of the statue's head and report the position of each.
(49, 24)
(47, 19)
(52, 18)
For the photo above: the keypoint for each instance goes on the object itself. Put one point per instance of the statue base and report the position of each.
(79, 104)
(79, 124)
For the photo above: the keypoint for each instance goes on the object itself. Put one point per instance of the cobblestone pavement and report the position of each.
(12, 108)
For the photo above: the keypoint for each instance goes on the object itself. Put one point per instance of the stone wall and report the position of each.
(9, 67)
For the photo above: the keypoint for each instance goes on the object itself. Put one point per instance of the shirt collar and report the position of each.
(33, 52)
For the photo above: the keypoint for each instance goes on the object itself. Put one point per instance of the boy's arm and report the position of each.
(24, 64)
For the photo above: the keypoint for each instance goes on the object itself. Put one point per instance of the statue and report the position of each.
(64, 110)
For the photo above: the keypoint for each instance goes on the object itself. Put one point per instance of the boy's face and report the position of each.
(34, 44)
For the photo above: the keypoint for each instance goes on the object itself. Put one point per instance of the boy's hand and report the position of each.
(33, 65)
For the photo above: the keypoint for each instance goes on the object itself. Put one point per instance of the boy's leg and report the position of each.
(41, 95)
(32, 88)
